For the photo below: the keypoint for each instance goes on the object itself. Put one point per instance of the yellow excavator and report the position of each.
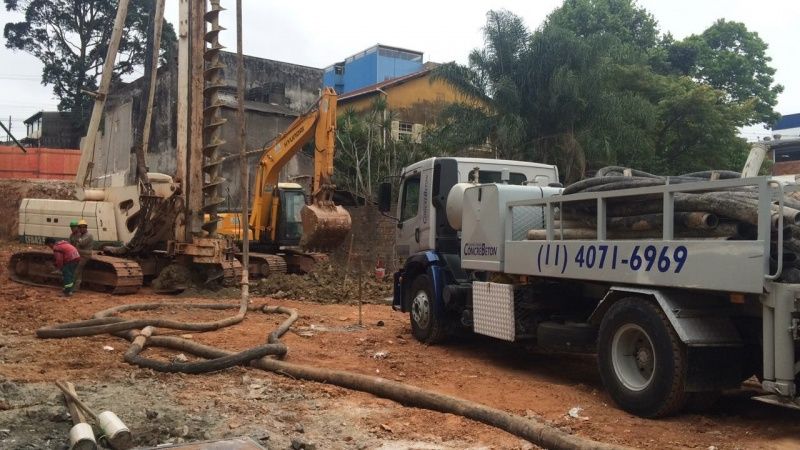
(286, 231)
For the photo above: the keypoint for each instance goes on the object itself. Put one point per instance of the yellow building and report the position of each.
(413, 100)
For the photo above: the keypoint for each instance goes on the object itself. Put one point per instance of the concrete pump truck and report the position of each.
(692, 293)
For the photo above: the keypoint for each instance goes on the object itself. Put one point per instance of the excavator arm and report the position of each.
(324, 224)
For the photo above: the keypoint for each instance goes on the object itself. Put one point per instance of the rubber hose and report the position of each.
(531, 430)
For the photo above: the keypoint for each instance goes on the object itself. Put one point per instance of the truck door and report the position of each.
(408, 231)
(427, 214)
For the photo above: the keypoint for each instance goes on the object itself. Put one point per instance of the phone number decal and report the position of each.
(642, 258)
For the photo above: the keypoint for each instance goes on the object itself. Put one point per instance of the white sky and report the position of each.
(316, 34)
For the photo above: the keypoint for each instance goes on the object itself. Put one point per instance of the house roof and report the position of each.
(788, 121)
(377, 87)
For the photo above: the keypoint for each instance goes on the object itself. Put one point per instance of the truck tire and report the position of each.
(426, 326)
(642, 361)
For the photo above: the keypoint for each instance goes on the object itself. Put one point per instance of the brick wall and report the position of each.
(372, 238)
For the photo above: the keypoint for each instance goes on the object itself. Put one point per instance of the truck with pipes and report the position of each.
(682, 286)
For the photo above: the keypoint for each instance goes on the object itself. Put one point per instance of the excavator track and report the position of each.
(102, 273)
(303, 263)
(263, 265)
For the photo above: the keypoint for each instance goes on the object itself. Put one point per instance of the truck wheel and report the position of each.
(642, 361)
(425, 325)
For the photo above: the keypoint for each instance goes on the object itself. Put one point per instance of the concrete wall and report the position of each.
(291, 89)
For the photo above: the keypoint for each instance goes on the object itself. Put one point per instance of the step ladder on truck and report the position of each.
(674, 316)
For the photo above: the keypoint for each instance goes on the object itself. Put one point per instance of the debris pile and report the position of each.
(326, 284)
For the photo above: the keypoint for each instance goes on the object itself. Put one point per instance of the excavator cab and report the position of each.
(291, 200)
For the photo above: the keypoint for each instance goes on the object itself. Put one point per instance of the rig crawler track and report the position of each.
(102, 273)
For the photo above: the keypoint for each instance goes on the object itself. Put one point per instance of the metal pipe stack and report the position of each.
(730, 214)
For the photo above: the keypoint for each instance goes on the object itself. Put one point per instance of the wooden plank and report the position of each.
(74, 412)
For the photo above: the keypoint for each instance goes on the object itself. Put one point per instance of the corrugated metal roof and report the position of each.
(787, 121)
(366, 90)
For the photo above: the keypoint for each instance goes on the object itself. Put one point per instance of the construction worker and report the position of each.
(67, 259)
(83, 242)
(73, 235)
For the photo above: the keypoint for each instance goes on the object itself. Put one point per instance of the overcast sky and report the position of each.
(318, 34)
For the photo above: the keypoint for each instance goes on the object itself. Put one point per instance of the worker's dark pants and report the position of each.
(68, 273)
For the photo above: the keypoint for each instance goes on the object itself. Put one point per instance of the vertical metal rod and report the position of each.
(601, 219)
(182, 111)
(669, 216)
(157, 27)
(245, 178)
(549, 220)
(360, 283)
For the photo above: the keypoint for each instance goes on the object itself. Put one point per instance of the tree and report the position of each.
(620, 20)
(495, 80)
(70, 37)
(598, 84)
(366, 153)
(729, 57)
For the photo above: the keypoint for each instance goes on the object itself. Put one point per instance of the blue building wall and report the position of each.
(361, 71)
(393, 64)
(373, 65)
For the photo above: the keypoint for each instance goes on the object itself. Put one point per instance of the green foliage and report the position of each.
(71, 38)
(729, 57)
(366, 154)
(598, 84)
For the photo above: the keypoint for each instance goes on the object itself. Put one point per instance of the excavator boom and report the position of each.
(324, 224)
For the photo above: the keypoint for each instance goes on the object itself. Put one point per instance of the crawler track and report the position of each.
(102, 273)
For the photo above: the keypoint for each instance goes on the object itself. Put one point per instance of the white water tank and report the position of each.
(455, 204)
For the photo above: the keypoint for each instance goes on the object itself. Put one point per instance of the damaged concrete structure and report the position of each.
(276, 93)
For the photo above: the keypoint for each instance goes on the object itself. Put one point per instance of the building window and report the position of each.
(407, 130)
(338, 70)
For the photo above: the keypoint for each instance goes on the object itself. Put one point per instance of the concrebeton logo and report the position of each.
(479, 249)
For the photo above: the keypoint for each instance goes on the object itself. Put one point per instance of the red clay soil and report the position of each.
(542, 386)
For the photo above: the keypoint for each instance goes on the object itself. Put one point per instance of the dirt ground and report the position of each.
(280, 412)
(13, 191)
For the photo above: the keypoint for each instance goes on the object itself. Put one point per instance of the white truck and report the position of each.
(673, 320)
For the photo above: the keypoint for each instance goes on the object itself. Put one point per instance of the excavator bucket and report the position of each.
(324, 226)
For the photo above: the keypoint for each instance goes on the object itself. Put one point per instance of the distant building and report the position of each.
(788, 126)
(52, 129)
(373, 65)
(413, 100)
(785, 146)
(276, 93)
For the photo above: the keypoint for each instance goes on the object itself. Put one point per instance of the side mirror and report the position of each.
(385, 197)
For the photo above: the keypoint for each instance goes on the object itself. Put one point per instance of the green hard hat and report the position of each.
(73, 223)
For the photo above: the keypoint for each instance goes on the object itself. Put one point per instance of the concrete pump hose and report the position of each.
(218, 359)
(103, 323)
(531, 430)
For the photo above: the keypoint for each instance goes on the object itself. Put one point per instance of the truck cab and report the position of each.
(428, 244)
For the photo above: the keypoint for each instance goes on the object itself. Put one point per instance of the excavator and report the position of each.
(281, 223)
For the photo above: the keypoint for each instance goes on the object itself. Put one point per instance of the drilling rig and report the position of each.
(158, 220)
